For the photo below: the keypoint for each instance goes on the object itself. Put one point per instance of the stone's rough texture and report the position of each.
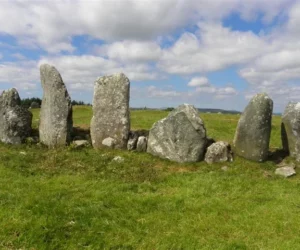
(80, 143)
(252, 135)
(285, 171)
(290, 130)
(111, 110)
(218, 152)
(181, 136)
(133, 138)
(109, 142)
(141, 144)
(56, 110)
(15, 121)
(34, 105)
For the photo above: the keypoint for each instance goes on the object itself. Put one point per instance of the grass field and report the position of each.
(81, 199)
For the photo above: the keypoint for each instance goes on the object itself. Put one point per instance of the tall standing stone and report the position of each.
(15, 121)
(180, 137)
(56, 110)
(290, 130)
(253, 132)
(111, 118)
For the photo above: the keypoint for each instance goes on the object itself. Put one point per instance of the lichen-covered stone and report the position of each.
(56, 110)
(111, 110)
(218, 152)
(180, 137)
(290, 130)
(141, 144)
(253, 132)
(15, 121)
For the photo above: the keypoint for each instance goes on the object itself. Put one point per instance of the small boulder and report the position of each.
(290, 130)
(218, 152)
(285, 171)
(180, 137)
(142, 144)
(80, 143)
(253, 131)
(109, 142)
(15, 121)
(118, 159)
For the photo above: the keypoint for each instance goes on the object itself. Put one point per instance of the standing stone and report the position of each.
(56, 110)
(218, 152)
(111, 111)
(290, 130)
(141, 144)
(181, 136)
(15, 121)
(34, 105)
(253, 131)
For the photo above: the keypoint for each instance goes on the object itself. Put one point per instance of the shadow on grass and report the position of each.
(278, 156)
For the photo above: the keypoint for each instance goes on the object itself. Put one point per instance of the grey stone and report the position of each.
(181, 136)
(224, 168)
(56, 110)
(34, 105)
(80, 143)
(15, 121)
(141, 144)
(132, 140)
(118, 159)
(109, 142)
(285, 171)
(290, 130)
(218, 152)
(253, 131)
(111, 110)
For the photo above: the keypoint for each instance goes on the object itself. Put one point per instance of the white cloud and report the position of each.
(198, 81)
(131, 51)
(212, 48)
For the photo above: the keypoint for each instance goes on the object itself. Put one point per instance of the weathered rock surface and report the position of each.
(141, 144)
(181, 136)
(290, 130)
(285, 171)
(133, 138)
(253, 132)
(56, 110)
(15, 121)
(111, 111)
(218, 152)
(109, 142)
(80, 143)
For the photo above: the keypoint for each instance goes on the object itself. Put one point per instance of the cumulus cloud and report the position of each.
(198, 81)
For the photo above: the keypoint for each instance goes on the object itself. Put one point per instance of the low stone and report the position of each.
(118, 159)
(109, 142)
(142, 144)
(132, 140)
(80, 143)
(224, 168)
(218, 152)
(180, 137)
(15, 120)
(285, 171)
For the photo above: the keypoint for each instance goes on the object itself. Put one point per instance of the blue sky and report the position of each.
(213, 54)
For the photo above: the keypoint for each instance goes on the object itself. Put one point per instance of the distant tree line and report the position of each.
(28, 101)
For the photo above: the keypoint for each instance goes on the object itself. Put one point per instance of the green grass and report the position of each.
(81, 199)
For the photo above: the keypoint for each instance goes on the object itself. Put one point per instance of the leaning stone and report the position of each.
(181, 136)
(109, 142)
(15, 121)
(56, 110)
(253, 131)
(290, 130)
(111, 110)
(142, 144)
(218, 152)
(285, 171)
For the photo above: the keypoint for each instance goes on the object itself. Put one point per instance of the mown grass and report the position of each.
(82, 199)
